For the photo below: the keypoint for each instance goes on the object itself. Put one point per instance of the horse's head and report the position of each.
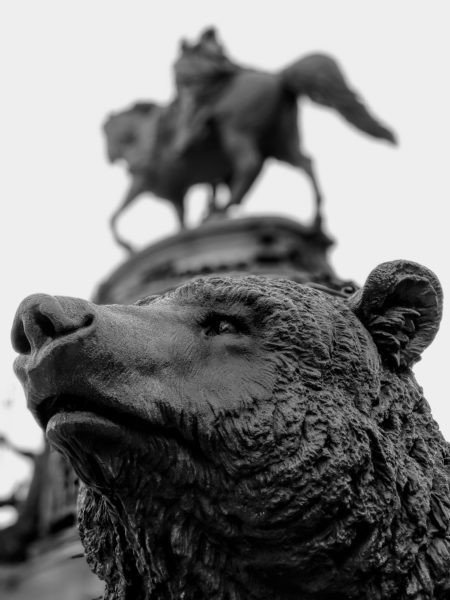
(131, 135)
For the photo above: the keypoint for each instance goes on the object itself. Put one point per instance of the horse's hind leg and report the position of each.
(306, 164)
(178, 204)
(246, 162)
(212, 199)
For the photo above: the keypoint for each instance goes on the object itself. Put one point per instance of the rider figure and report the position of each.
(200, 73)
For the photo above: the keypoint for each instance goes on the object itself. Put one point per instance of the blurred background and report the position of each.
(65, 65)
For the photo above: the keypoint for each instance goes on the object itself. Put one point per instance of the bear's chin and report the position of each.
(96, 446)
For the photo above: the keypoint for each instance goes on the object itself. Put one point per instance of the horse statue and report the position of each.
(224, 122)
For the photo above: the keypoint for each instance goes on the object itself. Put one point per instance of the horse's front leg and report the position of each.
(213, 211)
(138, 186)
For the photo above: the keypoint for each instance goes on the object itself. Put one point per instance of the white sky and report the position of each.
(66, 64)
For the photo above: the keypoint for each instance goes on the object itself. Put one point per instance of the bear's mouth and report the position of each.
(70, 404)
(66, 416)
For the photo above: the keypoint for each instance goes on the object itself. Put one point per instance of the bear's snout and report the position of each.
(41, 318)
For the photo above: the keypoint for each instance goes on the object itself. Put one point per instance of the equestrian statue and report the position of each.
(223, 124)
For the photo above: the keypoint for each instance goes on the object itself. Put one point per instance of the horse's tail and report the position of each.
(319, 77)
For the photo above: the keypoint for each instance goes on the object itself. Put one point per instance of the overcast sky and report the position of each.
(66, 64)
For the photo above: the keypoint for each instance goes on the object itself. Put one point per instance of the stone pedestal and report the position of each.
(264, 245)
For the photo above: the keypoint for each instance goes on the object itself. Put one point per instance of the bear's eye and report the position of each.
(226, 327)
(218, 325)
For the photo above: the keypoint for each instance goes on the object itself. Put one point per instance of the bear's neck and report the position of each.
(162, 553)
(161, 550)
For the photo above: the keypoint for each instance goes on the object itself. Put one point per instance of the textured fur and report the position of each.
(334, 484)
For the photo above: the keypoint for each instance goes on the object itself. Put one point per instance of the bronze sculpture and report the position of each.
(249, 437)
(224, 123)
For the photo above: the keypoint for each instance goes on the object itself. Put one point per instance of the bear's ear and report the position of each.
(401, 306)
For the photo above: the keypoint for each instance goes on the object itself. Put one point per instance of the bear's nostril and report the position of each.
(45, 325)
(19, 339)
(88, 320)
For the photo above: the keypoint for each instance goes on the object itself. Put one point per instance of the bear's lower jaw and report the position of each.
(88, 427)
(98, 448)
(119, 460)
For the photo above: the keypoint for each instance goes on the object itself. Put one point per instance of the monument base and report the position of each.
(260, 245)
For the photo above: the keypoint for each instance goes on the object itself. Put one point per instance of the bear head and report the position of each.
(248, 437)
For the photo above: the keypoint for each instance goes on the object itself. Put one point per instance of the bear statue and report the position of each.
(249, 438)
